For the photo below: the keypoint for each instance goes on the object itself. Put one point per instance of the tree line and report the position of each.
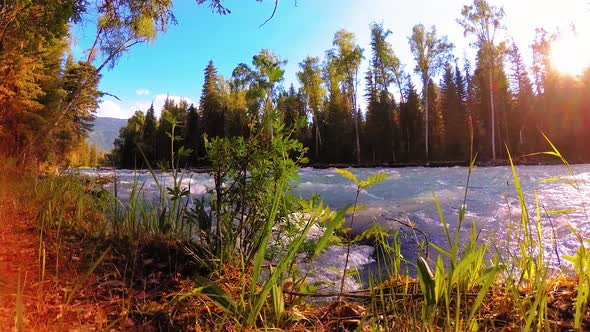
(48, 98)
(485, 107)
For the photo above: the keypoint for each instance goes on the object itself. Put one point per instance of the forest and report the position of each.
(495, 104)
(146, 251)
(432, 111)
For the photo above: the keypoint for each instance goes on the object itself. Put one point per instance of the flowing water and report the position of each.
(408, 195)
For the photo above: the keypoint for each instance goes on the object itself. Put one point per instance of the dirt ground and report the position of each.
(42, 301)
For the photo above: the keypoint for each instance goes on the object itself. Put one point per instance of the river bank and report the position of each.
(153, 281)
(535, 160)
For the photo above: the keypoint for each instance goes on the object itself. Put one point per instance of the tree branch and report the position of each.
(274, 10)
(110, 95)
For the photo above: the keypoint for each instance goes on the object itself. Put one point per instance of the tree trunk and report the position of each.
(425, 83)
(490, 77)
(493, 113)
(356, 119)
(356, 127)
(318, 140)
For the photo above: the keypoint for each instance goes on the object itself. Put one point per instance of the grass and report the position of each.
(143, 260)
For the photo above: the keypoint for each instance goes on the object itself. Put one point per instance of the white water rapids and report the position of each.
(407, 194)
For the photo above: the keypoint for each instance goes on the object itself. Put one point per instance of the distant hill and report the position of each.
(105, 131)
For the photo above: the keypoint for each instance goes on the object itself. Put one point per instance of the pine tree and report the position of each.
(381, 108)
(237, 116)
(412, 124)
(162, 139)
(80, 82)
(473, 121)
(526, 120)
(193, 136)
(546, 86)
(149, 133)
(436, 124)
(453, 96)
(210, 105)
(291, 105)
(126, 153)
(372, 128)
(339, 123)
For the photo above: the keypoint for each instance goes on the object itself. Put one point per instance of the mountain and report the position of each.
(105, 131)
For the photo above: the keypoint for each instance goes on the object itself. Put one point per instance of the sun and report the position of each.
(570, 55)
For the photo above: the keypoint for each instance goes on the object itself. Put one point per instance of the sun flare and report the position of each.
(570, 55)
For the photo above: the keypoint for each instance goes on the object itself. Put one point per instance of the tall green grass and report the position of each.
(469, 274)
(67, 202)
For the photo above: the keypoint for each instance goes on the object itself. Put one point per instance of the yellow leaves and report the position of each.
(373, 180)
(103, 21)
(368, 182)
(144, 27)
(347, 174)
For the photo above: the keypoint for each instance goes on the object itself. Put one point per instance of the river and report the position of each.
(408, 195)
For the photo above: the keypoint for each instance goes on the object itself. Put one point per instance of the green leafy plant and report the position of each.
(360, 185)
(250, 197)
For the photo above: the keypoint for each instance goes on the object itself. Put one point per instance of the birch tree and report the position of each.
(430, 53)
(310, 76)
(483, 21)
(348, 56)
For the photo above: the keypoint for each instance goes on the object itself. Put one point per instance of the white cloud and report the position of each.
(113, 108)
(142, 92)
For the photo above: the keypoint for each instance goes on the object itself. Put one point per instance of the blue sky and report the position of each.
(173, 65)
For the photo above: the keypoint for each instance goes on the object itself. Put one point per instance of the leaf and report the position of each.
(184, 152)
(571, 259)
(335, 223)
(551, 179)
(441, 250)
(439, 277)
(347, 174)
(373, 180)
(443, 221)
(333, 268)
(426, 281)
(309, 288)
(482, 292)
(171, 120)
(215, 294)
(562, 211)
(464, 265)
